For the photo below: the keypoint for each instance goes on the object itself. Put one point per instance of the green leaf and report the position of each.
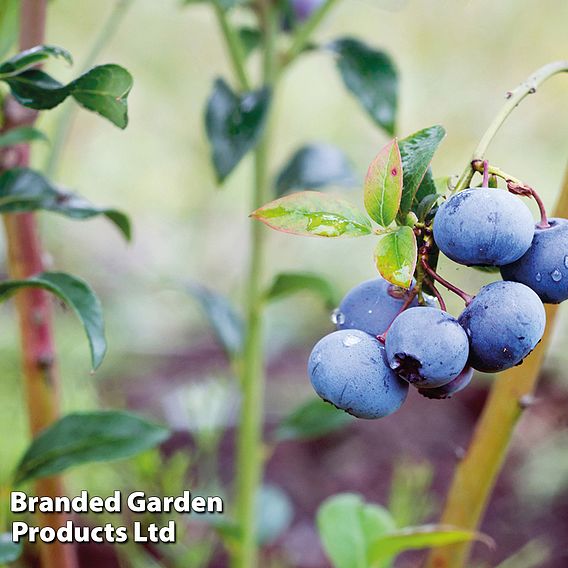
(104, 89)
(426, 205)
(24, 190)
(251, 39)
(9, 24)
(314, 214)
(225, 321)
(288, 283)
(32, 57)
(78, 295)
(488, 269)
(21, 135)
(87, 437)
(417, 151)
(311, 420)
(9, 551)
(274, 513)
(427, 187)
(425, 536)
(314, 166)
(383, 185)
(395, 256)
(347, 526)
(234, 125)
(371, 76)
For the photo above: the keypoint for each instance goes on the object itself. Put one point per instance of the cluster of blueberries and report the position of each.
(384, 342)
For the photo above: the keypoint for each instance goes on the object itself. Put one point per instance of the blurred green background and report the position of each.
(456, 61)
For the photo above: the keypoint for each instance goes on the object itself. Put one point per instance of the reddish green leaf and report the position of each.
(383, 185)
(314, 214)
(395, 256)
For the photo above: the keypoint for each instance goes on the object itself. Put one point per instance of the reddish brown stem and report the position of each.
(435, 276)
(25, 258)
(437, 294)
(410, 297)
(527, 191)
(485, 174)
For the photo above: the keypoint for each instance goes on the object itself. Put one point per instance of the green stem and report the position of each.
(67, 114)
(305, 31)
(514, 98)
(234, 46)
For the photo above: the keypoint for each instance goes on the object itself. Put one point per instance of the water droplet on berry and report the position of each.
(566, 261)
(538, 277)
(370, 312)
(337, 317)
(351, 340)
(556, 275)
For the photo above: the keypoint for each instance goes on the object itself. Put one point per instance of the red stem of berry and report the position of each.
(437, 294)
(435, 276)
(485, 173)
(411, 295)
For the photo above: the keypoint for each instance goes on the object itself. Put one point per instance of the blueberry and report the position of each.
(451, 388)
(371, 306)
(481, 226)
(504, 322)
(544, 267)
(427, 347)
(348, 368)
(303, 9)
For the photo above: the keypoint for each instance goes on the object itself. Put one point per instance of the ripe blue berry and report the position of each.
(427, 347)
(348, 368)
(451, 388)
(481, 226)
(544, 267)
(303, 9)
(504, 322)
(371, 306)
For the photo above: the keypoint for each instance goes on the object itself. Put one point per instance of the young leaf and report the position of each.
(383, 185)
(417, 151)
(32, 57)
(87, 437)
(372, 77)
(224, 320)
(311, 420)
(426, 205)
(23, 190)
(426, 536)
(395, 256)
(288, 283)
(314, 166)
(234, 125)
(427, 187)
(250, 39)
(78, 295)
(21, 135)
(347, 526)
(314, 214)
(9, 551)
(104, 89)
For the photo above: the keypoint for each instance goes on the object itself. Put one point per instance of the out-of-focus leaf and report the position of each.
(9, 24)
(314, 214)
(87, 437)
(234, 125)
(395, 256)
(21, 135)
(250, 39)
(9, 551)
(417, 151)
(104, 90)
(489, 269)
(314, 166)
(371, 77)
(226, 323)
(78, 295)
(534, 554)
(23, 190)
(274, 514)
(425, 536)
(224, 4)
(347, 526)
(313, 419)
(383, 185)
(288, 283)
(32, 57)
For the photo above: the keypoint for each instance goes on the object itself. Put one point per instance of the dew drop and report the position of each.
(351, 340)
(370, 312)
(337, 317)
(556, 275)
(538, 276)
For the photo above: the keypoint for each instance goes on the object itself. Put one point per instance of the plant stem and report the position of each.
(25, 258)
(476, 474)
(436, 277)
(514, 98)
(63, 126)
